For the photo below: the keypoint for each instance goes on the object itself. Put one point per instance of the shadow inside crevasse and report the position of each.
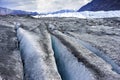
(68, 66)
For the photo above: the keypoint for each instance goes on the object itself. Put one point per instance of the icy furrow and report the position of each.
(101, 69)
(68, 65)
(34, 58)
(99, 53)
(115, 67)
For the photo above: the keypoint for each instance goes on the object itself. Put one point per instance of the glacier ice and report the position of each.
(84, 14)
(38, 65)
(68, 65)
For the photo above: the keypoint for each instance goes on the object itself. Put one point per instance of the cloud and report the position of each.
(43, 5)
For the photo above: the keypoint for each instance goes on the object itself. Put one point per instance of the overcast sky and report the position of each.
(43, 5)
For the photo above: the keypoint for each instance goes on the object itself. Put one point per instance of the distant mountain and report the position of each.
(5, 11)
(58, 12)
(20, 12)
(61, 11)
(101, 5)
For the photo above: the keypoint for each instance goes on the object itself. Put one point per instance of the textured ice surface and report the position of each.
(84, 14)
(73, 14)
(36, 66)
(101, 54)
(68, 65)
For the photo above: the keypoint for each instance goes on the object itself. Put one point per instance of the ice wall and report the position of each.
(38, 65)
(68, 65)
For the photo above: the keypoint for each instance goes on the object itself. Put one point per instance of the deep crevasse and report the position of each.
(68, 65)
(34, 65)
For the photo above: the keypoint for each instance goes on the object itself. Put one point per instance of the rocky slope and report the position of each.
(66, 48)
(101, 5)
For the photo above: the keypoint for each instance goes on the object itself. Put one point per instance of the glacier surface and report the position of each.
(68, 65)
(84, 14)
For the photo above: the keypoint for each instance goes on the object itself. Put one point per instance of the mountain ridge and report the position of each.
(6, 11)
(101, 5)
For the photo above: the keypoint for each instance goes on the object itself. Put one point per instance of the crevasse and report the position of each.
(68, 65)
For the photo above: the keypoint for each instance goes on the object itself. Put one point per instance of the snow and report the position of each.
(100, 14)
(70, 14)
(68, 65)
(85, 14)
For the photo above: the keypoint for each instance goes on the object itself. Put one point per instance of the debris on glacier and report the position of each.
(11, 67)
(68, 65)
(101, 33)
(38, 64)
(99, 53)
(95, 63)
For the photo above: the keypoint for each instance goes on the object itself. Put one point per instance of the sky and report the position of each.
(43, 5)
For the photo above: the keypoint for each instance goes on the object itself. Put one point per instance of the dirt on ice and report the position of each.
(91, 43)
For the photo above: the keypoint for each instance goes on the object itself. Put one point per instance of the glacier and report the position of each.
(96, 51)
(68, 65)
(34, 58)
(84, 14)
(94, 62)
(45, 57)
